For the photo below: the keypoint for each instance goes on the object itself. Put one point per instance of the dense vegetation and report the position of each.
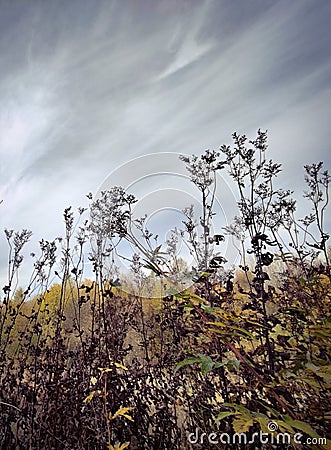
(138, 361)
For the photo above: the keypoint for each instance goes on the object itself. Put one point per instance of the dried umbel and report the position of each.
(111, 213)
(203, 172)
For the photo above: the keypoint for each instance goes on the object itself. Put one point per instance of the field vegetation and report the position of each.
(142, 360)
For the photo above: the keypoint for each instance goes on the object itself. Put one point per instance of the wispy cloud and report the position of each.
(185, 45)
(86, 86)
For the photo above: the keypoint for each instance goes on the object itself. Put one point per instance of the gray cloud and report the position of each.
(86, 86)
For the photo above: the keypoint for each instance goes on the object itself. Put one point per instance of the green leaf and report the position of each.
(321, 371)
(273, 411)
(303, 426)
(220, 312)
(218, 364)
(284, 426)
(242, 330)
(173, 292)
(239, 408)
(186, 362)
(224, 414)
(224, 333)
(206, 364)
(199, 277)
(217, 324)
(263, 421)
(237, 331)
(257, 324)
(234, 363)
(193, 298)
(312, 383)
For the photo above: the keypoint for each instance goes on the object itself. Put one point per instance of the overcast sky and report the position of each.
(86, 86)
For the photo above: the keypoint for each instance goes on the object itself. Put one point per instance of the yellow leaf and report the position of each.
(89, 397)
(118, 446)
(285, 427)
(93, 381)
(263, 421)
(242, 425)
(105, 369)
(123, 412)
(225, 315)
(312, 383)
(109, 369)
(278, 330)
(121, 366)
(127, 417)
(321, 371)
(217, 324)
(126, 444)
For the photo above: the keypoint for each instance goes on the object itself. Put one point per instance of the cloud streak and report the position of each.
(86, 86)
